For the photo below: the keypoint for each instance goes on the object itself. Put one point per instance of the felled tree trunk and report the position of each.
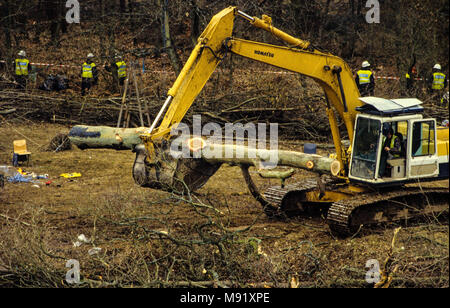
(261, 158)
(105, 137)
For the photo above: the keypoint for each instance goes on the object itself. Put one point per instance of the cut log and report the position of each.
(105, 137)
(261, 158)
(186, 165)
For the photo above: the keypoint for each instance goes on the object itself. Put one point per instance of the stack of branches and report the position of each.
(60, 142)
(296, 118)
(67, 109)
(439, 112)
(299, 119)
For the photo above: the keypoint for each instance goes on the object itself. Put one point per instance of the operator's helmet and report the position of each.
(365, 64)
(386, 128)
(22, 53)
(90, 55)
(437, 67)
(391, 131)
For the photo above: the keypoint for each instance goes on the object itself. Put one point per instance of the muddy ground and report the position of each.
(151, 238)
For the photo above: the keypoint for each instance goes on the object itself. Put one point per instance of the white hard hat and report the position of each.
(437, 67)
(365, 64)
(22, 53)
(90, 55)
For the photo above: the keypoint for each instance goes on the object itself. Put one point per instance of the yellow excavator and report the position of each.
(360, 192)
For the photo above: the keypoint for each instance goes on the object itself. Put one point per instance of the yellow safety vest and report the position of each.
(87, 70)
(22, 67)
(364, 76)
(392, 144)
(122, 69)
(438, 81)
(407, 76)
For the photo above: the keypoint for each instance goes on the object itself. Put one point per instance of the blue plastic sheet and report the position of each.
(19, 178)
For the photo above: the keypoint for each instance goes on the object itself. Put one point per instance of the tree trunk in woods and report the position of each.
(167, 41)
(102, 30)
(52, 10)
(7, 23)
(195, 23)
(360, 5)
(123, 6)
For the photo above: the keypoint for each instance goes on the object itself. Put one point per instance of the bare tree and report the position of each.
(167, 40)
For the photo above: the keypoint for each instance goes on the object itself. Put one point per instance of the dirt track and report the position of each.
(144, 233)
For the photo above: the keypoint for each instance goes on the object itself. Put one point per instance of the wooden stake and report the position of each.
(141, 118)
(123, 102)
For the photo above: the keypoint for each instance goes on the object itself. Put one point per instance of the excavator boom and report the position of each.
(202, 62)
(329, 71)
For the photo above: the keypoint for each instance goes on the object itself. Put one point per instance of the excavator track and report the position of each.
(284, 197)
(276, 194)
(346, 216)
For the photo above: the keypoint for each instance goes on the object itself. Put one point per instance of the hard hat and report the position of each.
(22, 53)
(386, 128)
(437, 67)
(90, 55)
(365, 64)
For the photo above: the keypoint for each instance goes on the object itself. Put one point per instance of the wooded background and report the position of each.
(163, 32)
(406, 27)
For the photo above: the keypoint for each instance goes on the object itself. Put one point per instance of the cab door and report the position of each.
(422, 149)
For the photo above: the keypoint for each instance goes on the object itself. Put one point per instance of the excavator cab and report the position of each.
(416, 148)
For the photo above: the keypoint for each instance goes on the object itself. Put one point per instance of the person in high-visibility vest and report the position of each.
(365, 80)
(22, 68)
(119, 71)
(410, 86)
(391, 149)
(89, 74)
(411, 75)
(438, 80)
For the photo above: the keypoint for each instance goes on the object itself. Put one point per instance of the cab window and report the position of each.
(364, 156)
(423, 139)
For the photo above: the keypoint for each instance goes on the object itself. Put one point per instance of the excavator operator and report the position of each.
(391, 149)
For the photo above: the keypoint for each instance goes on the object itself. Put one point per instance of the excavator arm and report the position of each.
(329, 71)
(202, 62)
